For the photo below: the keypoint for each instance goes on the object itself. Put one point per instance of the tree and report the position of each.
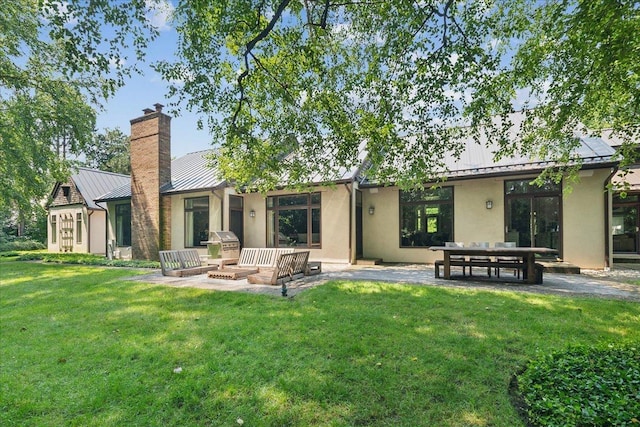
(109, 152)
(319, 78)
(58, 60)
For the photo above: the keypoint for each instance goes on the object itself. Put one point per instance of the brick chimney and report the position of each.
(150, 169)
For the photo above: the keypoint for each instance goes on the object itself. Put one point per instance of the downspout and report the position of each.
(106, 233)
(607, 227)
(89, 213)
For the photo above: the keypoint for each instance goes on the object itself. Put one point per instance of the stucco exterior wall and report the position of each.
(71, 244)
(97, 232)
(334, 223)
(584, 213)
(583, 220)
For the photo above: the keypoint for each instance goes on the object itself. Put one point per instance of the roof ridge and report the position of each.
(103, 172)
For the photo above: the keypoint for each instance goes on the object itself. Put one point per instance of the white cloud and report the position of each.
(117, 62)
(159, 14)
(60, 9)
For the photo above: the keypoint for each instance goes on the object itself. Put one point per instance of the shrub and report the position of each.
(584, 385)
(20, 244)
(86, 259)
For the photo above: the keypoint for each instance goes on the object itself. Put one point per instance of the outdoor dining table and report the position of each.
(528, 255)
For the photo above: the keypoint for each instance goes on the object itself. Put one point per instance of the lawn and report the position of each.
(82, 346)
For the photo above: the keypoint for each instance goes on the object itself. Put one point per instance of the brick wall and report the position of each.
(150, 169)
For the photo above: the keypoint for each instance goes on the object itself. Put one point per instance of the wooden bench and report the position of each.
(289, 266)
(493, 264)
(182, 262)
(251, 260)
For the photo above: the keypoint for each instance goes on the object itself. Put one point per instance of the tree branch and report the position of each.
(247, 53)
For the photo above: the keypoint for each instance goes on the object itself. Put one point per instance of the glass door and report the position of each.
(533, 214)
(625, 224)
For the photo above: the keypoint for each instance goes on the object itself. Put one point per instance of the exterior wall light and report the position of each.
(372, 209)
(489, 204)
(252, 213)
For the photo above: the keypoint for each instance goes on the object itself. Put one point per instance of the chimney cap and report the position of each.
(158, 107)
(147, 111)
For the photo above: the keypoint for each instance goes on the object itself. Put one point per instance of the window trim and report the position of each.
(309, 207)
(423, 202)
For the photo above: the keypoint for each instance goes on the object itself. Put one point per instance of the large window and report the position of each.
(78, 227)
(54, 229)
(426, 217)
(293, 220)
(123, 225)
(196, 221)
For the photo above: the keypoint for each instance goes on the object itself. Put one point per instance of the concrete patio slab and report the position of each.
(612, 284)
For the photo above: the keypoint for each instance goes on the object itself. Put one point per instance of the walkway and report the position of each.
(612, 284)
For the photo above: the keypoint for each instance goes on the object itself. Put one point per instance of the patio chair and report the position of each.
(459, 258)
(507, 259)
(479, 259)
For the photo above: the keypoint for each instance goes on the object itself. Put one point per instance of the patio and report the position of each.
(601, 284)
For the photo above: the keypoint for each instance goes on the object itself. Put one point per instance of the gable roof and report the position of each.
(91, 183)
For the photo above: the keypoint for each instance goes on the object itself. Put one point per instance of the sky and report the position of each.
(142, 91)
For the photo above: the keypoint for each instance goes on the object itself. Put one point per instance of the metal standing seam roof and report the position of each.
(188, 173)
(91, 183)
(192, 172)
(477, 157)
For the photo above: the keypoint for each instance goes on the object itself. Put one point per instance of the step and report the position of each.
(559, 267)
(369, 261)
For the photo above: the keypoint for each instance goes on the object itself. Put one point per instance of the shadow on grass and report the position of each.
(82, 346)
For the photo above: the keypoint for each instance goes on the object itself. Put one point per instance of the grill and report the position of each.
(226, 241)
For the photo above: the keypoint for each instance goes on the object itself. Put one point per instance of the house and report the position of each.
(174, 204)
(77, 223)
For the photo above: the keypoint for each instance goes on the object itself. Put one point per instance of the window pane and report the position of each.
(196, 221)
(630, 198)
(526, 187)
(78, 228)
(123, 225)
(293, 200)
(315, 226)
(271, 229)
(426, 225)
(54, 229)
(315, 198)
(292, 223)
(444, 193)
(235, 202)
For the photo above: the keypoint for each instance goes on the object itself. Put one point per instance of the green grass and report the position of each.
(81, 346)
